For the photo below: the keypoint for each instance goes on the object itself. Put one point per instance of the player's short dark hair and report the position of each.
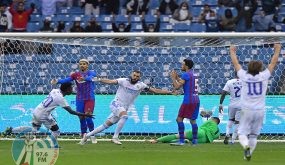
(189, 63)
(137, 71)
(218, 120)
(65, 86)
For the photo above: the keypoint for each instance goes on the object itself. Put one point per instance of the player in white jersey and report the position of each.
(253, 92)
(129, 89)
(232, 87)
(42, 113)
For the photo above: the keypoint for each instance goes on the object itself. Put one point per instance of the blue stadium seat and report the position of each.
(105, 18)
(121, 18)
(150, 18)
(154, 4)
(136, 19)
(136, 27)
(64, 17)
(33, 27)
(107, 27)
(36, 18)
(76, 10)
(164, 18)
(63, 10)
(166, 27)
(196, 11)
(181, 27)
(76, 17)
(198, 27)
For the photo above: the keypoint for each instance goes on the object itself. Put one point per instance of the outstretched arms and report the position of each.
(234, 58)
(160, 91)
(274, 59)
(68, 109)
(107, 81)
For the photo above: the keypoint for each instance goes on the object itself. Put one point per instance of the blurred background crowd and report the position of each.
(142, 15)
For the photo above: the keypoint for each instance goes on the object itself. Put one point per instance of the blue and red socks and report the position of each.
(181, 129)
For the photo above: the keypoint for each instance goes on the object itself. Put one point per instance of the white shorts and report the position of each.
(234, 113)
(250, 122)
(47, 120)
(116, 108)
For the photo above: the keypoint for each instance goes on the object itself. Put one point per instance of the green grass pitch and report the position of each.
(144, 153)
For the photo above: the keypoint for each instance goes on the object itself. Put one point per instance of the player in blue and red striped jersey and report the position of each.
(191, 102)
(85, 96)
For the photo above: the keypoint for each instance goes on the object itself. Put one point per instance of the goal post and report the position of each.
(28, 61)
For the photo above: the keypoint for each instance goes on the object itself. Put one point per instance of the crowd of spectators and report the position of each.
(225, 15)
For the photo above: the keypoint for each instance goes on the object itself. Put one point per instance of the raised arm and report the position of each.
(68, 109)
(108, 81)
(61, 81)
(177, 82)
(233, 55)
(274, 59)
(160, 91)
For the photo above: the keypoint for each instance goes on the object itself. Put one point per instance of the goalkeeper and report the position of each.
(207, 133)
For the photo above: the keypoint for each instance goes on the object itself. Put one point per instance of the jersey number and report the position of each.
(196, 85)
(254, 88)
(47, 101)
(237, 93)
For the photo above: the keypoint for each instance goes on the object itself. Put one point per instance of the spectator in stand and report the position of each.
(270, 7)
(167, 7)
(47, 25)
(9, 16)
(93, 26)
(246, 10)
(122, 27)
(60, 27)
(151, 41)
(202, 16)
(3, 19)
(227, 22)
(212, 22)
(137, 7)
(151, 27)
(91, 6)
(262, 22)
(182, 14)
(49, 6)
(111, 6)
(76, 27)
(20, 16)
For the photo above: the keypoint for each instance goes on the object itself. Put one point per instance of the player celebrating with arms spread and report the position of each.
(253, 92)
(129, 89)
(85, 96)
(191, 102)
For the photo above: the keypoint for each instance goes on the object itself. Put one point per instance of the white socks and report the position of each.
(228, 127)
(120, 125)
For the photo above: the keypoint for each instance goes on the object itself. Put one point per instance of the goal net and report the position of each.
(29, 61)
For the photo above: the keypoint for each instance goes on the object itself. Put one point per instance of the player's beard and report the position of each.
(83, 69)
(133, 81)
